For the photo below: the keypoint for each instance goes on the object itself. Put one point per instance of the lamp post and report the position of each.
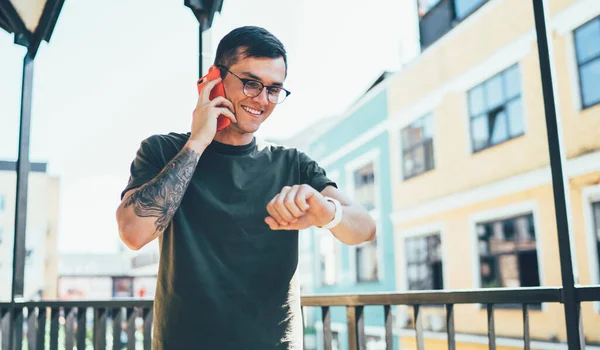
(560, 182)
(31, 21)
(204, 10)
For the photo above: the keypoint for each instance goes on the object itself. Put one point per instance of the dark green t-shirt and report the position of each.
(226, 280)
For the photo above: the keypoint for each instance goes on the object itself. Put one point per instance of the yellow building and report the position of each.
(472, 188)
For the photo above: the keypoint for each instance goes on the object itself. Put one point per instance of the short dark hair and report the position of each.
(249, 41)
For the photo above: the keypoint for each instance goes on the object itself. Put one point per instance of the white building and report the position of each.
(41, 237)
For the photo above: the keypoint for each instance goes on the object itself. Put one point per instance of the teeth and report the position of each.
(252, 110)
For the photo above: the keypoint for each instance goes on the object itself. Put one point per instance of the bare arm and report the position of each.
(357, 225)
(145, 212)
(301, 206)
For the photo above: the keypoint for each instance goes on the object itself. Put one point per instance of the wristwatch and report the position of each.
(337, 218)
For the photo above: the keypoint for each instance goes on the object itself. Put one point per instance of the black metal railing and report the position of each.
(80, 324)
(83, 324)
(26, 321)
(438, 21)
(489, 297)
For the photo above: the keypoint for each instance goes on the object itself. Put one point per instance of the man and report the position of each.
(227, 210)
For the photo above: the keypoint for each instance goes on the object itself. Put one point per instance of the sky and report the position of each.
(118, 71)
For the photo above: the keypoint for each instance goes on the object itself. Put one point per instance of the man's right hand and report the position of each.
(204, 122)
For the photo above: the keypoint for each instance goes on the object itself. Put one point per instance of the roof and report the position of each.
(304, 137)
(312, 132)
(384, 75)
(381, 78)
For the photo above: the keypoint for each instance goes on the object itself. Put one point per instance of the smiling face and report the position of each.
(251, 112)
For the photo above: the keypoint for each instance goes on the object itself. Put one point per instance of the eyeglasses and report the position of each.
(252, 88)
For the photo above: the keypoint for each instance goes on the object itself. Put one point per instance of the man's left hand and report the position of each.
(299, 207)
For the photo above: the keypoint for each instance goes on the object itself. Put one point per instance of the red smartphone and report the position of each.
(218, 90)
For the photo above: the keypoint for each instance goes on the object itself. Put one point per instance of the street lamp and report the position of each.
(204, 10)
(31, 21)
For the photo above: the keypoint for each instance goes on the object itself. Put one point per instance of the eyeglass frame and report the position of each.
(245, 81)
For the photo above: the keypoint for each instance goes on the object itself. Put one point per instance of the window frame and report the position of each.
(486, 112)
(350, 176)
(413, 147)
(579, 64)
(500, 213)
(372, 155)
(591, 195)
(354, 262)
(451, 19)
(514, 252)
(424, 231)
(425, 9)
(469, 13)
(336, 327)
(342, 331)
(319, 234)
(428, 261)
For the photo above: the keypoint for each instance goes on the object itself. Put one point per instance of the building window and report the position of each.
(364, 186)
(424, 262)
(438, 17)
(361, 175)
(122, 287)
(335, 340)
(424, 6)
(596, 214)
(463, 8)
(495, 109)
(367, 262)
(375, 342)
(328, 257)
(507, 253)
(587, 48)
(417, 147)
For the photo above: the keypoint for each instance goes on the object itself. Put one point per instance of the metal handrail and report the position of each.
(128, 309)
(475, 296)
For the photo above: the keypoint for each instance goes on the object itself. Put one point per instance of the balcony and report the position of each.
(445, 15)
(89, 324)
(70, 324)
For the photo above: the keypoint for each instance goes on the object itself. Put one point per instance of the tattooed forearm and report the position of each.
(161, 197)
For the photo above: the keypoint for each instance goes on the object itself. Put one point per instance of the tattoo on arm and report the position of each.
(161, 197)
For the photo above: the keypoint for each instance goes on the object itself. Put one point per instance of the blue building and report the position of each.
(359, 163)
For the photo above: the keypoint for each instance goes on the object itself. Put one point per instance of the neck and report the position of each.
(232, 137)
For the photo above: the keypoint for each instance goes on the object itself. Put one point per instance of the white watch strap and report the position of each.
(337, 218)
